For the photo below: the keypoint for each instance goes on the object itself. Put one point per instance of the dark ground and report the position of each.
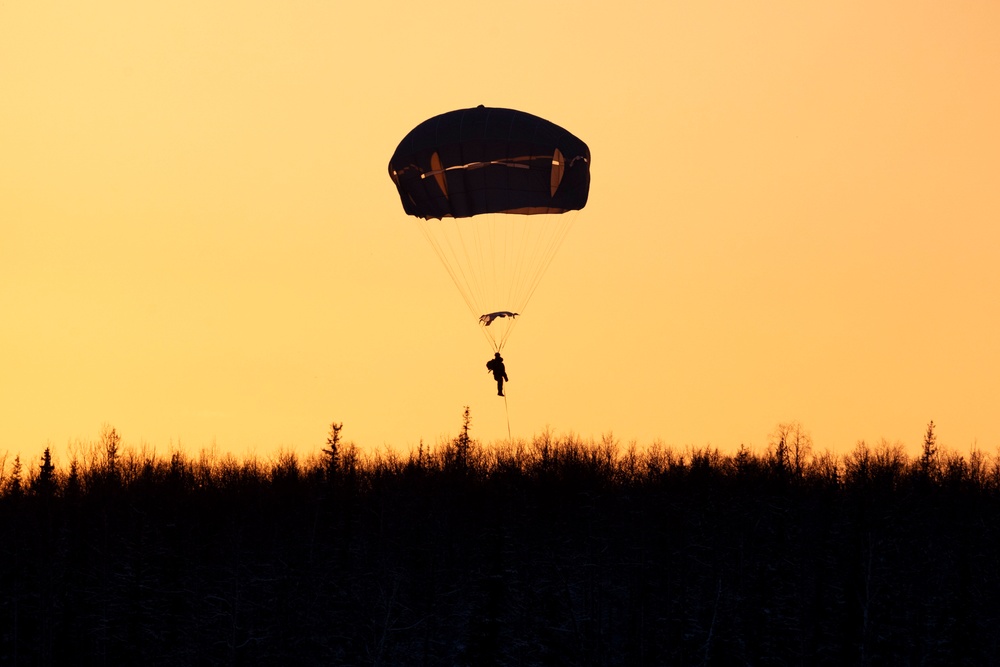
(554, 553)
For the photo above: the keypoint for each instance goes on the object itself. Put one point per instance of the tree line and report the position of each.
(554, 550)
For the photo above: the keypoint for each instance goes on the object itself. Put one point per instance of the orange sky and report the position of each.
(793, 216)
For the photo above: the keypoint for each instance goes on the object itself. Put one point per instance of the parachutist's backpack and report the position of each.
(491, 365)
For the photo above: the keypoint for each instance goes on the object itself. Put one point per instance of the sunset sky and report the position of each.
(793, 216)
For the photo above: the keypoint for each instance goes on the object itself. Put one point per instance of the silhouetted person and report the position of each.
(499, 372)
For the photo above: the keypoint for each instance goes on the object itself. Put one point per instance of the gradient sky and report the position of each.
(793, 216)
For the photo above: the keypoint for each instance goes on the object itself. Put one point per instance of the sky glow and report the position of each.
(793, 216)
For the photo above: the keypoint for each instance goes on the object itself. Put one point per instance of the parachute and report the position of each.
(490, 188)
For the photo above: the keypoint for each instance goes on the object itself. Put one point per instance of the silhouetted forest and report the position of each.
(554, 551)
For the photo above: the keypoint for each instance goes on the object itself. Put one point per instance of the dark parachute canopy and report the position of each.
(489, 187)
(486, 160)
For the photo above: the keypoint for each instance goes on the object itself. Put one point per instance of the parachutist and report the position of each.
(499, 372)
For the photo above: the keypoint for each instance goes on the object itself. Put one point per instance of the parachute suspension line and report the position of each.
(529, 244)
(534, 246)
(469, 244)
(554, 242)
(531, 232)
(491, 274)
(475, 253)
(504, 336)
(501, 234)
(462, 286)
(495, 272)
(497, 346)
(507, 410)
(506, 286)
(530, 236)
(497, 261)
(519, 245)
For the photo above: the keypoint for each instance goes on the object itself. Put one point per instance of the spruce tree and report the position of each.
(46, 482)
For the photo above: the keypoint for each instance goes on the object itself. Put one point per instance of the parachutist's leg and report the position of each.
(499, 386)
